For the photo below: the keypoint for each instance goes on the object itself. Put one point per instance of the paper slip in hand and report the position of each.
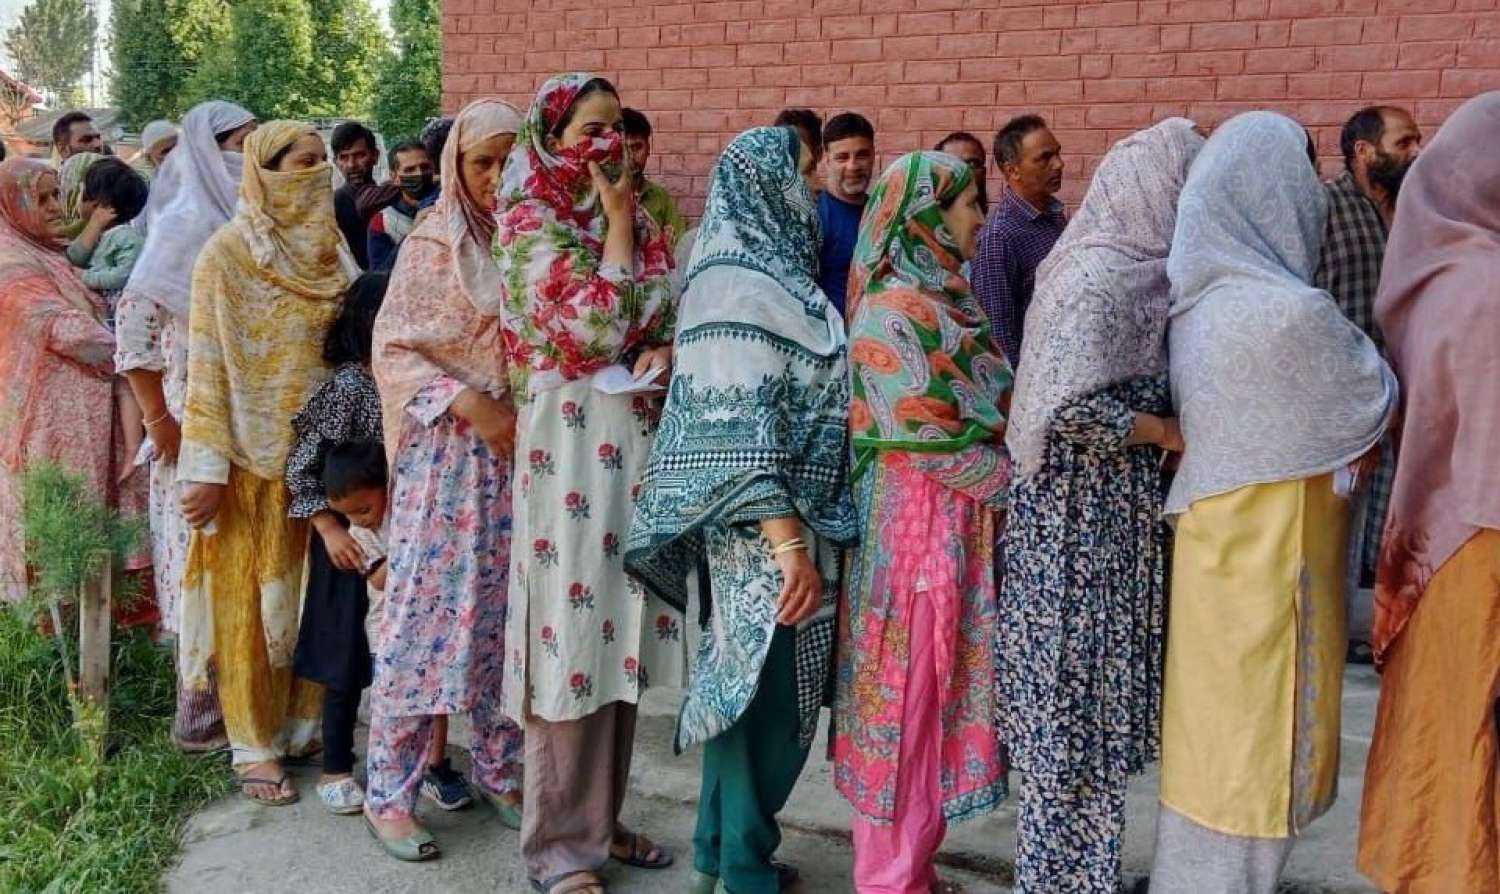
(617, 379)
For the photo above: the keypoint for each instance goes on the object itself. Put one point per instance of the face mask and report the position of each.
(607, 151)
(418, 185)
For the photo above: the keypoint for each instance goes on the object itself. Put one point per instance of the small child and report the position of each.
(113, 195)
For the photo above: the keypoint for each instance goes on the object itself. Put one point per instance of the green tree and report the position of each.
(348, 46)
(157, 45)
(262, 59)
(53, 44)
(410, 87)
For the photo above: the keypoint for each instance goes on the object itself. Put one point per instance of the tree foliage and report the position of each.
(262, 59)
(348, 48)
(52, 44)
(410, 87)
(156, 47)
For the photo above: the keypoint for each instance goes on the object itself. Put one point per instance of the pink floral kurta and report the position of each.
(920, 540)
(581, 634)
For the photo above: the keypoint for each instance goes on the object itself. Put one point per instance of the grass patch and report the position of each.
(66, 823)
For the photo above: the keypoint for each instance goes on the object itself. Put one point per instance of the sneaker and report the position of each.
(446, 787)
(342, 798)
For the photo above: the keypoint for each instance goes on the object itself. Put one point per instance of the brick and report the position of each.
(1059, 16)
(1487, 26)
(812, 97)
(925, 47)
(1440, 54)
(674, 100)
(762, 97)
(989, 69)
(703, 33)
(1153, 12)
(966, 46)
(930, 72)
(1028, 43)
(1402, 84)
(771, 31)
(913, 94)
(925, 23)
(1181, 88)
(1114, 90)
(1176, 37)
(1100, 15)
(1326, 32)
(1118, 115)
(1134, 37)
(834, 74)
(844, 26)
(1094, 66)
(1048, 68)
(1402, 7)
(875, 73)
(716, 98)
(1462, 82)
(1302, 9)
(863, 50)
(967, 94)
(1318, 85)
(758, 54)
(1145, 65)
(861, 95)
(1252, 87)
(1053, 91)
(1378, 30)
(1479, 54)
(1440, 27)
(1079, 40)
(774, 76)
(1280, 60)
(1219, 62)
(1363, 58)
(883, 25)
(1223, 36)
(1201, 10)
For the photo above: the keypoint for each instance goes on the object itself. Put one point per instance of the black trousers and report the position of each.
(340, 713)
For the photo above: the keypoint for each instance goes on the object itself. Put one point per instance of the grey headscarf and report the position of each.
(1270, 380)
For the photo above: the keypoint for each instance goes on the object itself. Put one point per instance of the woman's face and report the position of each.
(236, 140)
(963, 219)
(593, 116)
(49, 201)
(807, 166)
(480, 168)
(307, 152)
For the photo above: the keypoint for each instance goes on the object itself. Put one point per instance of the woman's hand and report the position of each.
(617, 198)
(494, 421)
(1163, 431)
(650, 357)
(166, 436)
(200, 503)
(343, 551)
(1171, 435)
(801, 587)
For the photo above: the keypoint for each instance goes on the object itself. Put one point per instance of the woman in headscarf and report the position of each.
(1431, 799)
(449, 430)
(1276, 391)
(194, 194)
(749, 477)
(56, 374)
(914, 735)
(71, 176)
(158, 139)
(588, 287)
(264, 291)
(1084, 590)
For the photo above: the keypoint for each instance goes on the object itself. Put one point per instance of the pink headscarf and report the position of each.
(440, 314)
(1438, 308)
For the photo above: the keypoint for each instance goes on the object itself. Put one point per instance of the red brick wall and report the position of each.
(921, 68)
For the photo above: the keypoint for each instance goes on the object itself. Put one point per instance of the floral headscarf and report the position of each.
(927, 377)
(568, 314)
(71, 178)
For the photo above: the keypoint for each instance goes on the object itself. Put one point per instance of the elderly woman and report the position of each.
(1084, 590)
(1276, 392)
(264, 291)
(449, 429)
(194, 194)
(158, 139)
(1429, 820)
(56, 393)
(750, 477)
(588, 291)
(915, 743)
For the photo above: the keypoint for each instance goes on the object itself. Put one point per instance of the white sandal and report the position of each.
(342, 798)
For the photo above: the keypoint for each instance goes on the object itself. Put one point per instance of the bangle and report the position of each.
(161, 418)
(787, 546)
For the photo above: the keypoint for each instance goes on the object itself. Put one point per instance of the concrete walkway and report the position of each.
(235, 846)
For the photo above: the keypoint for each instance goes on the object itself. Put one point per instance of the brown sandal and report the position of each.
(281, 801)
(571, 883)
(641, 859)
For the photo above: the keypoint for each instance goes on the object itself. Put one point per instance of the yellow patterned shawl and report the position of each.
(265, 289)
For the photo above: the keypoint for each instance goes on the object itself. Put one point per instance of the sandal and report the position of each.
(641, 859)
(281, 801)
(418, 847)
(571, 883)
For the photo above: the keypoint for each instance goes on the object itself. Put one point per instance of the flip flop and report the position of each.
(418, 847)
(570, 883)
(639, 859)
(282, 801)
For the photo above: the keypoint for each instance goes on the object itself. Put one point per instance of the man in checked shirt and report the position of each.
(1021, 229)
(1379, 144)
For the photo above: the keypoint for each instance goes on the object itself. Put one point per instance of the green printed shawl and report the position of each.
(757, 414)
(926, 376)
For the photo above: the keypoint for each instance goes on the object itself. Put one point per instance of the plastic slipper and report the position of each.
(282, 801)
(571, 883)
(418, 847)
(642, 859)
(510, 814)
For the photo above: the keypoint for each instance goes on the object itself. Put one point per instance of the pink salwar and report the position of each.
(897, 857)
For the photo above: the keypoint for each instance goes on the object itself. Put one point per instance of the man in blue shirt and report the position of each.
(849, 148)
(1021, 229)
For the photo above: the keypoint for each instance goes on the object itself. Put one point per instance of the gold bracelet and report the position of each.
(787, 546)
(161, 418)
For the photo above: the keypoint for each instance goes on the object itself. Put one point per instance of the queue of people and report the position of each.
(1004, 487)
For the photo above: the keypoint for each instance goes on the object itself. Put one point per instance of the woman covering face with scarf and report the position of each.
(264, 292)
(588, 286)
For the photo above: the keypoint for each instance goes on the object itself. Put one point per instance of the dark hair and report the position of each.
(62, 128)
(223, 136)
(435, 137)
(114, 183)
(1312, 149)
(2, 150)
(348, 466)
(594, 85)
(406, 146)
(805, 121)
(351, 132)
(349, 338)
(635, 123)
(1008, 140)
(275, 161)
(1368, 125)
(846, 125)
(963, 136)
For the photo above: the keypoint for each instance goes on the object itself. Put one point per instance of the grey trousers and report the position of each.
(1194, 859)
